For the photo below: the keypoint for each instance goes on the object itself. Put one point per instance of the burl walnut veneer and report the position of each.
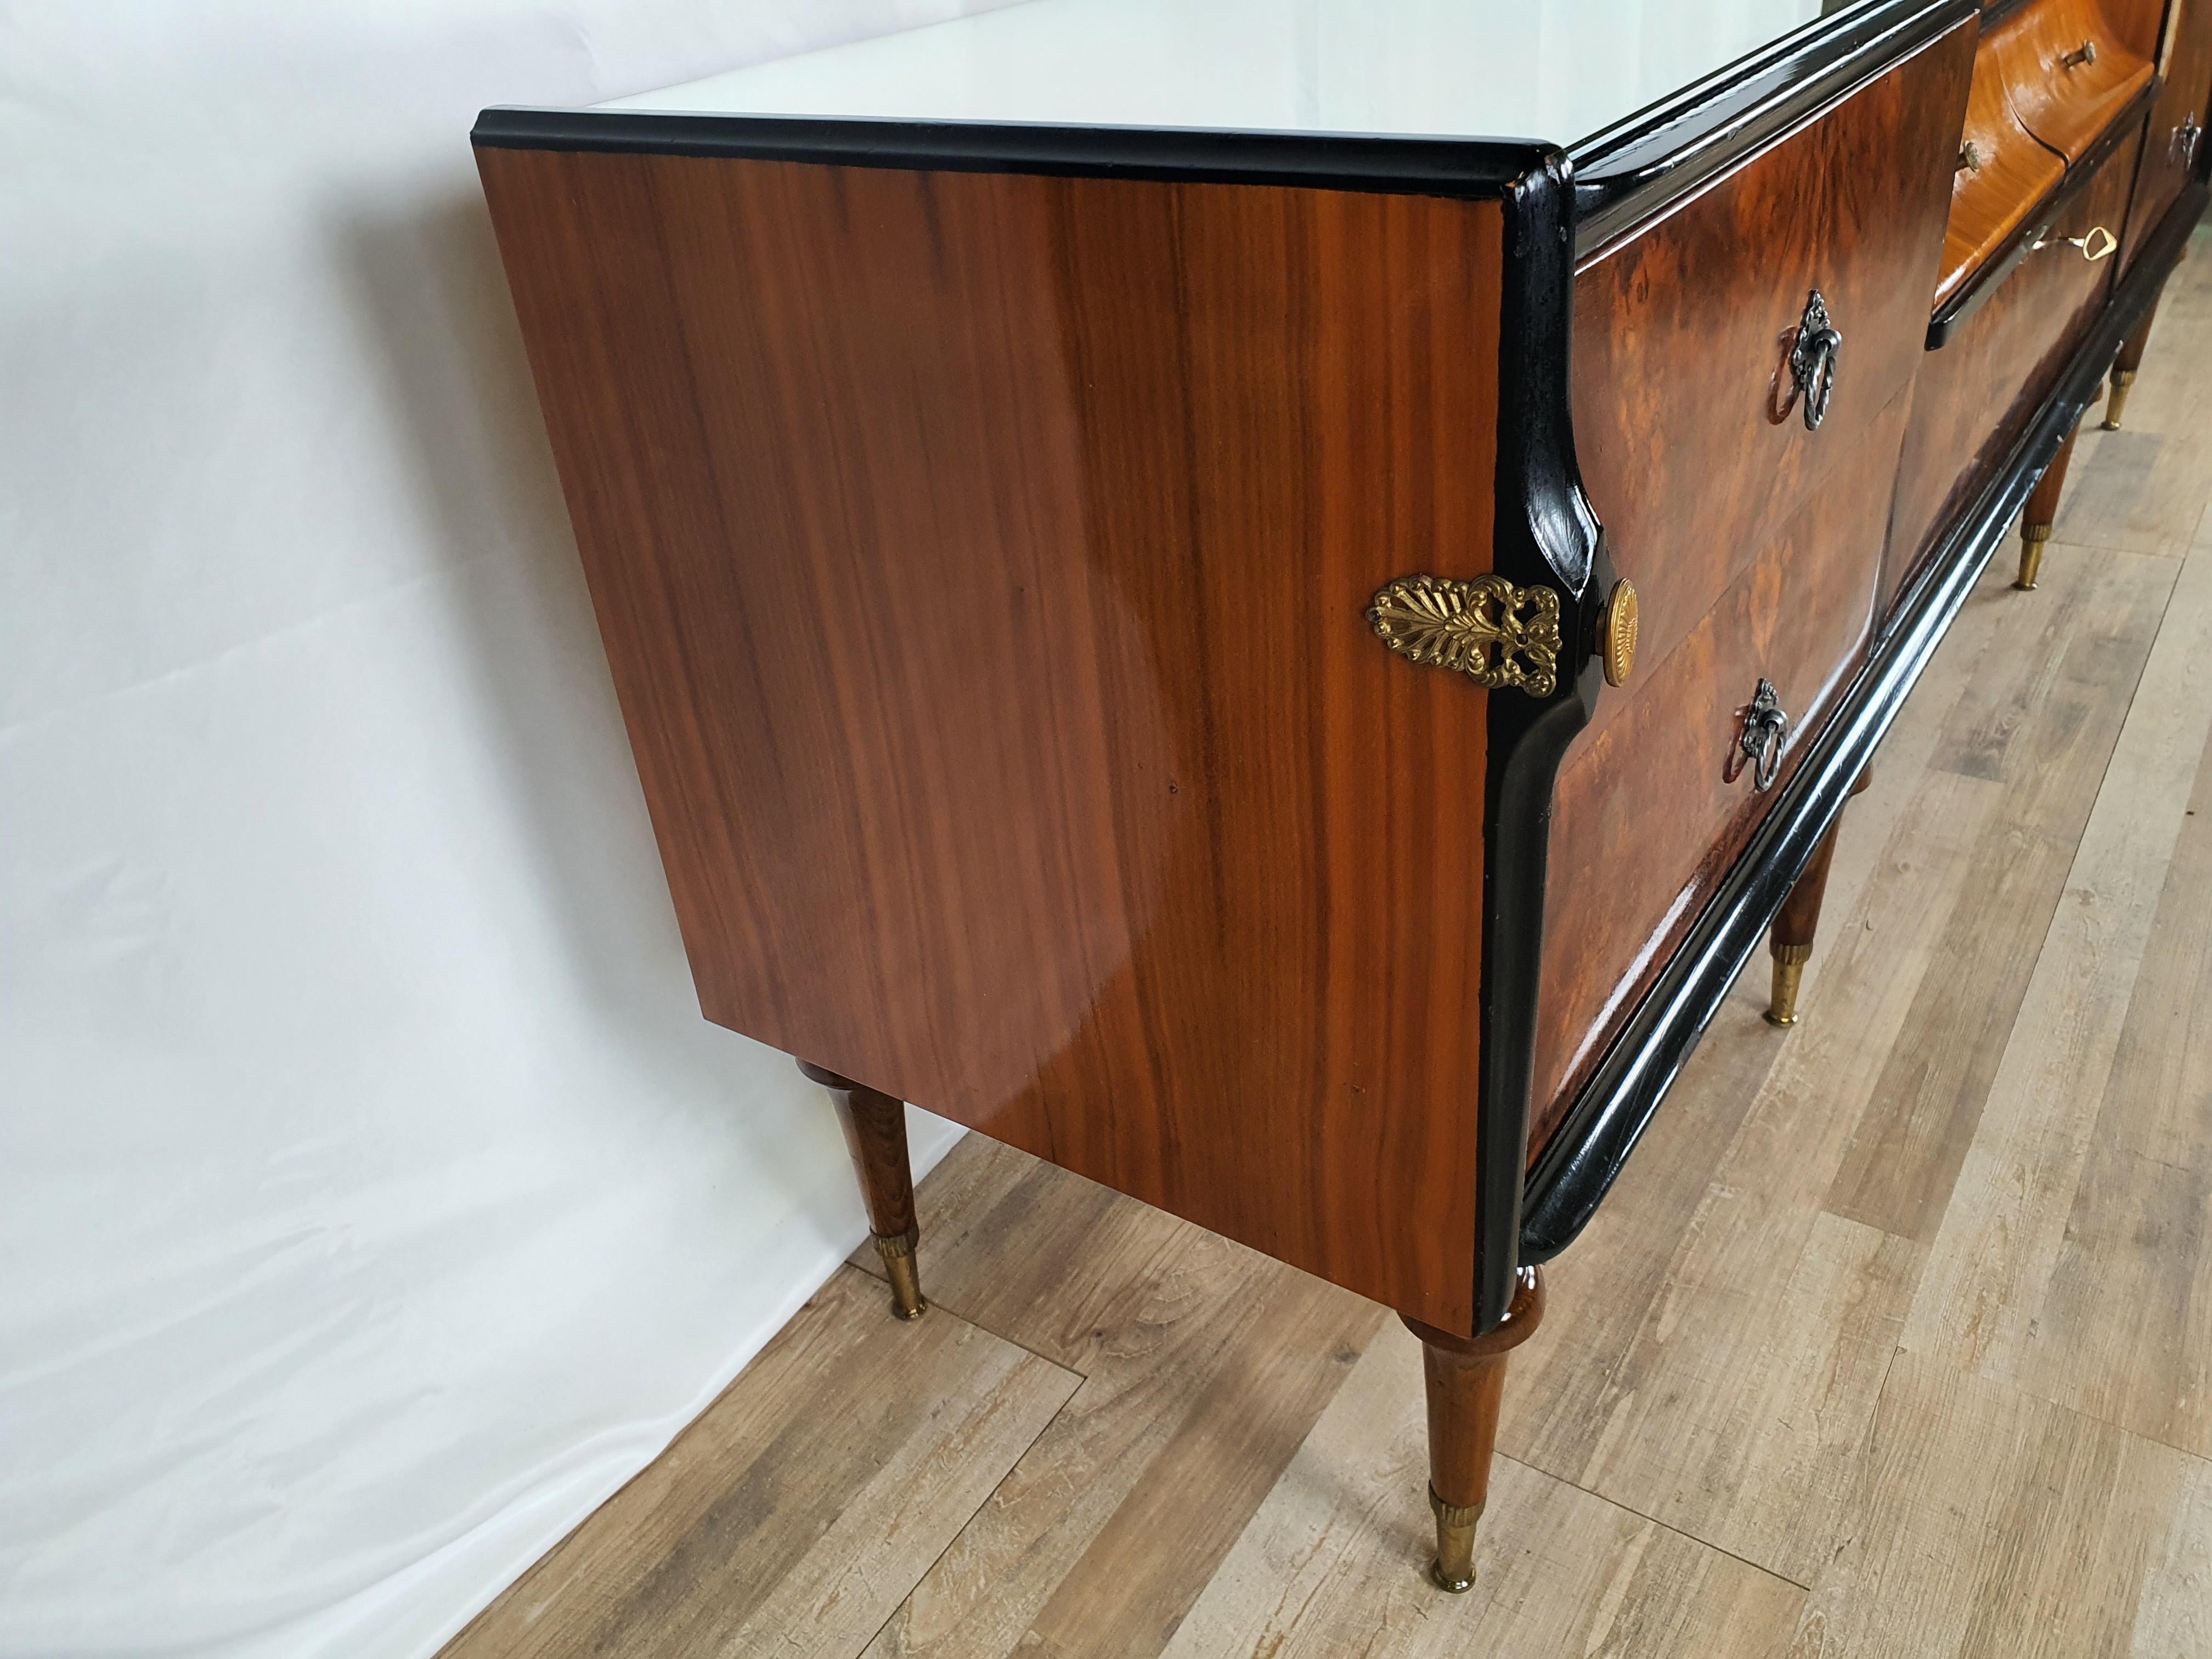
(1177, 611)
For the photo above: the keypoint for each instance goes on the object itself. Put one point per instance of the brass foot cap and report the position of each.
(1453, 1570)
(2116, 399)
(896, 1252)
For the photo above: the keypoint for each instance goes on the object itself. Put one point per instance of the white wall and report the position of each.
(373, 1199)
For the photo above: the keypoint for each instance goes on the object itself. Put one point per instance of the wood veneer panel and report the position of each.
(2168, 154)
(1691, 451)
(1973, 397)
(2067, 102)
(981, 561)
(2016, 174)
(1696, 461)
(1649, 816)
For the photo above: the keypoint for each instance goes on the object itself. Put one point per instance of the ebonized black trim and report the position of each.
(1475, 169)
(1547, 533)
(1632, 172)
(1587, 1154)
(2013, 250)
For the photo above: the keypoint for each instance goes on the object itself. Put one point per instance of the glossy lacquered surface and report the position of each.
(1753, 542)
(982, 561)
(2003, 174)
(2068, 71)
(1974, 396)
(1554, 69)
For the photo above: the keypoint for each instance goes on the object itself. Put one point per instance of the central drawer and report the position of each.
(1754, 540)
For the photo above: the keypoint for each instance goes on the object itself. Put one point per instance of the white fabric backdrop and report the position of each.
(373, 1200)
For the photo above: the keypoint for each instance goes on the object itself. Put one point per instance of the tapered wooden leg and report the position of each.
(875, 1132)
(2042, 509)
(1790, 941)
(1466, 1384)
(2124, 367)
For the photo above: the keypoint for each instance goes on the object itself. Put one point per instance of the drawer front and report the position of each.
(1651, 814)
(1755, 543)
(1692, 443)
(1973, 397)
(2068, 71)
(2004, 172)
(2175, 137)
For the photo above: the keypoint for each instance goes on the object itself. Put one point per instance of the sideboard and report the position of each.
(1177, 607)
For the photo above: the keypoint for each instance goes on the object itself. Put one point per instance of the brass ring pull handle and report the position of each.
(1766, 728)
(2086, 53)
(1812, 361)
(2097, 244)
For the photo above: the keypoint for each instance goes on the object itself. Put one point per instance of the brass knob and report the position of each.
(1970, 157)
(1616, 632)
(2086, 53)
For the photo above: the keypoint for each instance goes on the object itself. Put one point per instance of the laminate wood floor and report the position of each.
(1895, 1339)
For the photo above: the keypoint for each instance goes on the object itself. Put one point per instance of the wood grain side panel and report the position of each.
(982, 562)
(1693, 450)
(1651, 813)
(1973, 399)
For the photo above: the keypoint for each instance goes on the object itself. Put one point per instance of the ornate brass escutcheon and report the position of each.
(1496, 634)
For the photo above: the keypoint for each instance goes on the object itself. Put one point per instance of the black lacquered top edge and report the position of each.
(1455, 167)
(1634, 171)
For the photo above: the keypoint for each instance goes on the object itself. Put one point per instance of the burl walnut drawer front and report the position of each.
(1754, 540)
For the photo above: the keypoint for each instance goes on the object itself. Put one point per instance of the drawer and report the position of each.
(2068, 71)
(1972, 396)
(1691, 442)
(1649, 814)
(2175, 136)
(2004, 174)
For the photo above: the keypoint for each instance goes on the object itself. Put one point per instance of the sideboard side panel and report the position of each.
(982, 561)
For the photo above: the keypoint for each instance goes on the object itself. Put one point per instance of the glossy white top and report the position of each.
(1560, 70)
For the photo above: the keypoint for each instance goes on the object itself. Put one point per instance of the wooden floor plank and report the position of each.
(1205, 1365)
(778, 1521)
(1999, 1245)
(1323, 1572)
(1989, 1524)
(2044, 725)
(1681, 1430)
(2122, 1330)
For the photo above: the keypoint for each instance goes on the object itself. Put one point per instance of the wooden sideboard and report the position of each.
(1175, 611)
